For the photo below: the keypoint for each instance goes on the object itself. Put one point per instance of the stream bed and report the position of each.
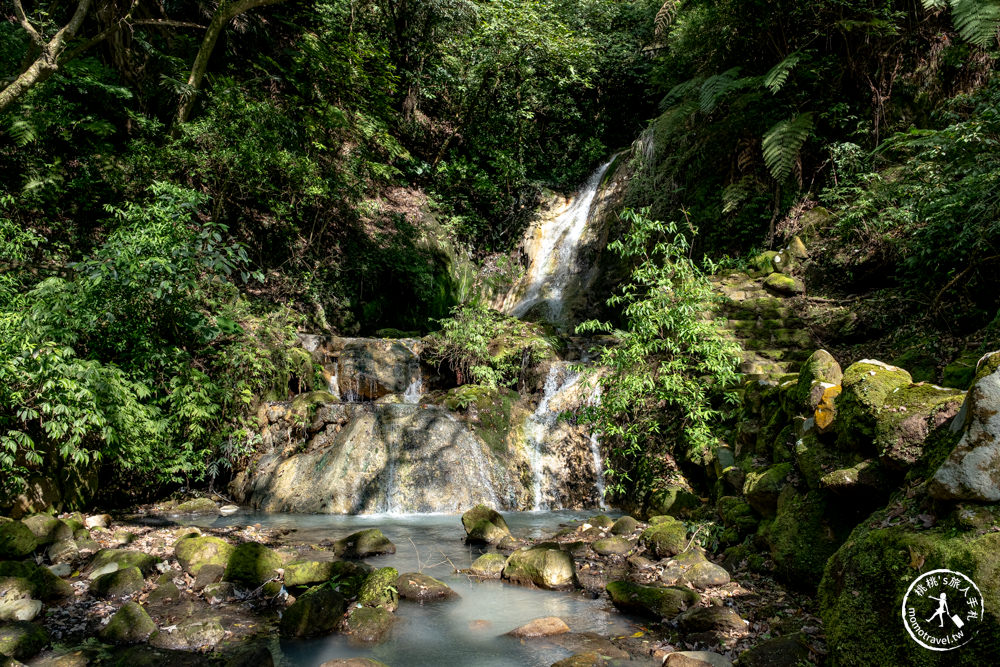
(467, 631)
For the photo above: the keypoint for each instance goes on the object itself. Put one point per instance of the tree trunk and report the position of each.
(226, 12)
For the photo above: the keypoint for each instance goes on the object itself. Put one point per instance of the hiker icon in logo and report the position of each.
(951, 599)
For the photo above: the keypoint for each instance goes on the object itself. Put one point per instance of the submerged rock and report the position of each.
(540, 627)
(365, 543)
(368, 625)
(544, 565)
(420, 587)
(318, 611)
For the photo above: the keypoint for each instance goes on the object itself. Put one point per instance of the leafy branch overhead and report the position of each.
(781, 144)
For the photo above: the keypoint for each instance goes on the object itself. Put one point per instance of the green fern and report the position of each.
(782, 142)
(778, 75)
(934, 5)
(977, 21)
(665, 16)
(715, 87)
(23, 132)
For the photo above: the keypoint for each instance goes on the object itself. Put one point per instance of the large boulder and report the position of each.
(863, 588)
(44, 584)
(544, 565)
(22, 640)
(194, 552)
(370, 368)
(16, 540)
(130, 625)
(121, 559)
(801, 537)
(252, 565)
(379, 589)
(653, 601)
(665, 538)
(972, 470)
(118, 583)
(763, 487)
(866, 385)
(909, 416)
(318, 611)
(484, 525)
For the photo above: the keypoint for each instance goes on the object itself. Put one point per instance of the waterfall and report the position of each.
(535, 429)
(595, 452)
(553, 253)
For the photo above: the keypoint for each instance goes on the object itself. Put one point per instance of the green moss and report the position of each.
(130, 624)
(304, 405)
(866, 579)
(318, 611)
(252, 564)
(801, 538)
(666, 538)
(488, 565)
(866, 388)
(783, 284)
(379, 589)
(961, 372)
(21, 640)
(762, 488)
(653, 601)
(16, 540)
(672, 501)
(910, 414)
(124, 558)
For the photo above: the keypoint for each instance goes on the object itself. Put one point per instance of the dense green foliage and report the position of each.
(481, 346)
(669, 365)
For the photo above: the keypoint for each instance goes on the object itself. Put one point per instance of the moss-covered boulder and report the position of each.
(16, 540)
(778, 652)
(714, 619)
(692, 568)
(674, 501)
(194, 552)
(488, 566)
(653, 601)
(820, 370)
(15, 588)
(736, 515)
(421, 587)
(908, 417)
(763, 487)
(44, 527)
(784, 285)
(318, 611)
(972, 470)
(544, 565)
(379, 589)
(130, 625)
(801, 537)
(123, 558)
(625, 525)
(365, 543)
(119, 583)
(865, 582)
(22, 640)
(484, 525)
(198, 506)
(368, 625)
(252, 564)
(611, 546)
(866, 386)
(44, 584)
(308, 572)
(664, 538)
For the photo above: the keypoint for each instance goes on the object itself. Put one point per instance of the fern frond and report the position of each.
(715, 87)
(782, 142)
(778, 75)
(679, 92)
(23, 132)
(665, 16)
(977, 21)
(746, 155)
(934, 5)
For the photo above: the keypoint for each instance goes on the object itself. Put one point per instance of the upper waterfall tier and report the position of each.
(552, 246)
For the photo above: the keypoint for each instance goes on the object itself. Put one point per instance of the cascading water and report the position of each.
(554, 252)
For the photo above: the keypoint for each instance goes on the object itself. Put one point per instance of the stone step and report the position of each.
(761, 324)
(770, 339)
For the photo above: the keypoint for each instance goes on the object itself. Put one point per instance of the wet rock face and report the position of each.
(370, 368)
(364, 458)
(972, 471)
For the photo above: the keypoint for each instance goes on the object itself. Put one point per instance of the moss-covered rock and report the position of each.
(308, 572)
(665, 538)
(488, 566)
(544, 565)
(866, 579)
(130, 625)
(762, 488)
(819, 369)
(44, 584)
(119, 583)
(714, 619)
(909, 415)
(123, 558)
(866, 386)
(194, 552)
(365, 543)
(612, 546)
(784, 285)
(673, 501)
(421, 587)
(379, 589)
(653, 601)
(625, 525)
(736, 514)
(252, 564)
(692, 568)
(16, 540)
(22, 640)
(484, 525)
(318, 611)
(801, 537)
(368, 625)
(198, 506)
(960, 373)
(777, 652)
(763, 264)
(305, 404)
(15, 588)
(44, 527)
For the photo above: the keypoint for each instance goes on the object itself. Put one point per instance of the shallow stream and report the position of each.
(467, 631)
